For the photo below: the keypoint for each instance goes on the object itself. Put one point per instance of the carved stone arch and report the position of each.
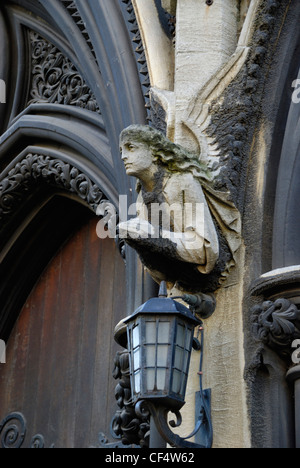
(283, 153)
(54, 182)
(76, 76)
(104, 52)
(81, 134)
(80, 142)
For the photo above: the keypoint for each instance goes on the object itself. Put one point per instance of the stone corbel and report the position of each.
(277, 325)
(276, 320)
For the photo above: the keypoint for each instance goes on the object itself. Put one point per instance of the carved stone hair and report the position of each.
(174, 157)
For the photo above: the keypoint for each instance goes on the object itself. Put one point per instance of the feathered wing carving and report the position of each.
(217, 192)
(219, 118)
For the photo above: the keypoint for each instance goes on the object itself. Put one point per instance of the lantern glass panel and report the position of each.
(178, 358)
(181, 358)
(180, 336)
(176, 381)
(156, 346)
(163, 332)
(162, 355)
(137, 381)
(161, 379)
(136, 337)
(150, 355)
(150, 379)
(150, 332)
(136, 359)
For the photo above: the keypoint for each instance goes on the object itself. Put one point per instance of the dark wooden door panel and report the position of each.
(58, 373)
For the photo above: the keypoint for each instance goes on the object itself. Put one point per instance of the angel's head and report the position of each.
(144, 148)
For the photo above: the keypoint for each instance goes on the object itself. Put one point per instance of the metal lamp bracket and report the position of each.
(202, 431)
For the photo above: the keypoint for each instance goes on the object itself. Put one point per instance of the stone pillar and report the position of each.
(158, 46)
(206, 37)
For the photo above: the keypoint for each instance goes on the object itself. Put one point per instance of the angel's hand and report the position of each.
(136, 228)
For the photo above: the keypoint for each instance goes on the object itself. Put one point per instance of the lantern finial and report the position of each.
(163, 292)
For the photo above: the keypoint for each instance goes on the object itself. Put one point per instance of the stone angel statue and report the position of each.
(186, 232)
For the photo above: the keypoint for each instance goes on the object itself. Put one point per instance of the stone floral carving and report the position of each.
(55, 79)
(276, 324)
(193, 237)
(35, 168)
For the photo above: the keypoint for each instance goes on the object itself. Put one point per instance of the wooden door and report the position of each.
(56, 388)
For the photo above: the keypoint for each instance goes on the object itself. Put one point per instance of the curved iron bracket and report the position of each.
(160, 418)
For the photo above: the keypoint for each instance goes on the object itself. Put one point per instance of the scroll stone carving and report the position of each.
(276, 324)
(35, 168)
(55, 79)
(192, 238)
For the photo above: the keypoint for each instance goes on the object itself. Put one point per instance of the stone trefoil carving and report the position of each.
(54, 79)
(277, 325)
(193, 240)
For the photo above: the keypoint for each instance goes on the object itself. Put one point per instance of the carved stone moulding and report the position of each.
(35, 168)
(283, 282)
(276, 320)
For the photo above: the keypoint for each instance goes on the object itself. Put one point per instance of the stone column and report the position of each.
(206, 37)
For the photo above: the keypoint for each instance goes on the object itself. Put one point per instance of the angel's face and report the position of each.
(137, 158)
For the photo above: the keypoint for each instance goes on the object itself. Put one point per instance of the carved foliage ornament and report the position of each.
(55, 79)
(35, 168)
(276, 324)
(127, 425)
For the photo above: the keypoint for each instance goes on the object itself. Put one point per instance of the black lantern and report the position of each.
(160, 337)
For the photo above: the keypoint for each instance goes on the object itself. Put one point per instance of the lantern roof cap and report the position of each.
(163, 305)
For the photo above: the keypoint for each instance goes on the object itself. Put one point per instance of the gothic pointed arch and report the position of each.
(76, 76)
